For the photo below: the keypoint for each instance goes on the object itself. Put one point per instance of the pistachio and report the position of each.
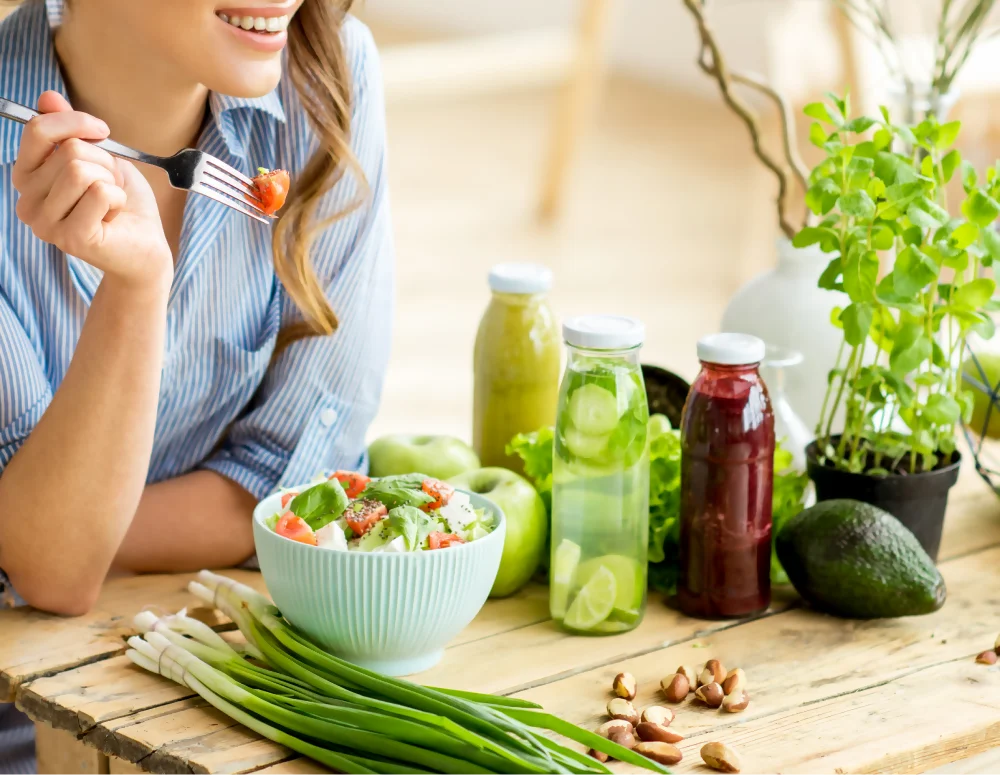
(736, 701)
(605, 729)
(713, 671)
(664, 753)
(624, 686)
(675, 687)
(710, 694)
(657, 714)
(987, 658)
(735, 679)
(649, 732)
(720, 757)
(624, 737)
(620, 708)
(690, 674)
(599, 755)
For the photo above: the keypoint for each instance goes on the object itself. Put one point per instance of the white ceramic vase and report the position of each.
(784, 307)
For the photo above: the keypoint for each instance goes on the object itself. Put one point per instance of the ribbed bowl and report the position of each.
(393, 613)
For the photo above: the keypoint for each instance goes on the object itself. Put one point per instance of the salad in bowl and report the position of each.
(382, 572)
(408, 513)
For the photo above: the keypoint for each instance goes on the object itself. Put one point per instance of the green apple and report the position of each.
(438, 456)
(527, 523)
(981, 399)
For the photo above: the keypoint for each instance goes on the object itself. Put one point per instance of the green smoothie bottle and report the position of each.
(517, 359)
(600, 480)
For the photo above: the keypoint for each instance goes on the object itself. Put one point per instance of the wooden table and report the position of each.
(828, 695)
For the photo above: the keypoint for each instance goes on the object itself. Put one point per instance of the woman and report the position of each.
(165, 361)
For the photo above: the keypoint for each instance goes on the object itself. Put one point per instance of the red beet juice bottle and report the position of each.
(727, 468)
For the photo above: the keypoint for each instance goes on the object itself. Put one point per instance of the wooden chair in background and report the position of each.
(572, 57)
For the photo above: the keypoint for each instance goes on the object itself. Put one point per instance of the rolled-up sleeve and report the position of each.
(313, 409)
(25, 394)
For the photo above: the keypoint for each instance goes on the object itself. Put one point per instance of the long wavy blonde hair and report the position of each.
(320, 72)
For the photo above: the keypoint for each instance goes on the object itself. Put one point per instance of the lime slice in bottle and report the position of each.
(628, 578)
(564, 563)
(593, 603)
(610, 626)
(593, 410)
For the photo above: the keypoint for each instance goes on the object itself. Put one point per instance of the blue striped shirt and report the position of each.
(223, 405)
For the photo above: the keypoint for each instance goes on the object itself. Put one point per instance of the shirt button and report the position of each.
(328, 417)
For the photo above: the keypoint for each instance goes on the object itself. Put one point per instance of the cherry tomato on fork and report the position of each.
(272, 187)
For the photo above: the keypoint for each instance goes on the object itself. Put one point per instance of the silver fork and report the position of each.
(189, 169)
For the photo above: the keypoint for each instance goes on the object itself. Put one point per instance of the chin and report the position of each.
(248, 80)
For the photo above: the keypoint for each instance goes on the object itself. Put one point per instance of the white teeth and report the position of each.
(273, 24)
(234, 20)
(247, 22)
(223, 17)
(257, 23)
(260, 23)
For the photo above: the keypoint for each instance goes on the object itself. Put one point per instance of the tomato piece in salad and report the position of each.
(353, 483)
(440, 491)
(296, 529)
(287, 498)
(362, 516)
(272, 188)
(439, 540)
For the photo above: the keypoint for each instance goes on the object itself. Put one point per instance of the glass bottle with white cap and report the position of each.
(727, 466)
(516, 362)
(600, 486)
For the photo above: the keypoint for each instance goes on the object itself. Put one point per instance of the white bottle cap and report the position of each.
(731, 349)
(520, 278)
(604, 332)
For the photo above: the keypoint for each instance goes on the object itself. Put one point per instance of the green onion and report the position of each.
(289, 690)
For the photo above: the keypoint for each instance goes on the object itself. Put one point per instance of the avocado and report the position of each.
(854, 560)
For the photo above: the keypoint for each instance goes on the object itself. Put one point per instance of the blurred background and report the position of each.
(581, 134)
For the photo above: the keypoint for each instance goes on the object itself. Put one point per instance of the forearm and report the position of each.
(199, 520)
(68, 495)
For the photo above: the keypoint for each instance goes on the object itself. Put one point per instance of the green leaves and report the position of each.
(861, 274)
(857, 204)
(946, 134)
(819, 111)
(949, 164)
(822, 196)
(912, 272)
(969, 178)
(817, 136)
(830, 279)
(857, 321)
(910, 348)
(964, 235)
(942, 409)
(980, 208)
(859, 125)
(974, 294)
(320, 504)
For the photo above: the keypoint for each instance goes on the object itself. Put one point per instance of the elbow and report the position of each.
(60, 597)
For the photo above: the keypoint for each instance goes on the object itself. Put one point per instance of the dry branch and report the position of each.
(712, 62)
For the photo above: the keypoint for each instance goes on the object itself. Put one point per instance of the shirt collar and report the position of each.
(28, 67)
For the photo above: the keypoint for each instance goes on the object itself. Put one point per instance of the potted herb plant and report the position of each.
(911, 276)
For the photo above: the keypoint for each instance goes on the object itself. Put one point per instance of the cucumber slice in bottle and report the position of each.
(593, 410)
(583, 445)
(565, 560)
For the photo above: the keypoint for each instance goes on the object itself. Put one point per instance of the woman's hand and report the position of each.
(85, 201)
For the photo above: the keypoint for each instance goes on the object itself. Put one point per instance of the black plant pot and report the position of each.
(666, 392)
(916, 500)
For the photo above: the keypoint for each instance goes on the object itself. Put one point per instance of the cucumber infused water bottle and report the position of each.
(600, 479)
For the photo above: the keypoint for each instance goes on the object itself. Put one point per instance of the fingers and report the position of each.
(42, 134)
(68, 189)
(83, 228)
(36, 186)
(53, 102)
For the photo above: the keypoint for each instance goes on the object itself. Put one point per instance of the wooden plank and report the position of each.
(34, 644)
(118, 766)
(58, 751)
(298, 766)
(802, 659)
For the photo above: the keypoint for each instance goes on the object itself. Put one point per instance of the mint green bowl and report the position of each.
(393, 613)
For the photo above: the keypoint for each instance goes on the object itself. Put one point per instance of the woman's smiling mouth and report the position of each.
(259, 24)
